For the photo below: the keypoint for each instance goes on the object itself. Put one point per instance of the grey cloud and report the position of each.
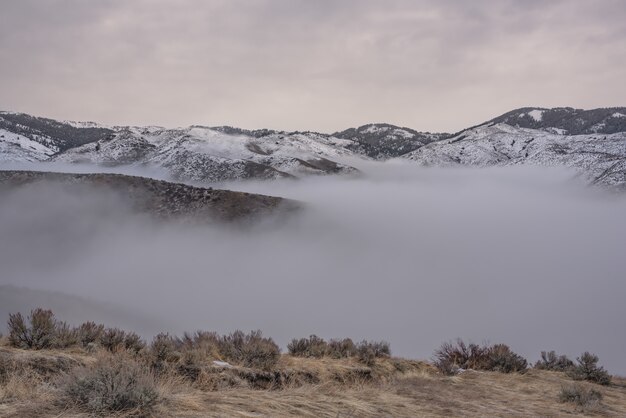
(323, 65)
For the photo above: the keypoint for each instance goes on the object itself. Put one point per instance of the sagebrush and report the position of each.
(454, 356)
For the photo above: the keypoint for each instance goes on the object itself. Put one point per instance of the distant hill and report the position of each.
(591, 141)
(566, 120)
(159, 198)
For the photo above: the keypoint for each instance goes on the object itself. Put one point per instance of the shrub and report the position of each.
(64, 335)
(587, 369)
(204, 341)
(342, 348)
(368, 351)
(133, 342)
(249, 350)
(89, 332)
(162, 351)
(587, 399)
(452, 357)
(313, 346)
(112, 339)
(551, 361)
(503, 360)
(38, 335)
(113, 384)
(192, 363)
(42, 330)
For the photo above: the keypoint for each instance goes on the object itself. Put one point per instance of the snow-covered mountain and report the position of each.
(40, 138)
(207, 154)
(382, 141)
(567, 121)
(601, 158)
(591, 141)
(193, 153)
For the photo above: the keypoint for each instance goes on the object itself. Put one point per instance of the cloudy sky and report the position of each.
(438, 65)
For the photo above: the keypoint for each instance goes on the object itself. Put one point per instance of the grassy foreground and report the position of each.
(48, 369)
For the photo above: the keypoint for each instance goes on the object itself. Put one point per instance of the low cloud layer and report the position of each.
(524, 256)
(309, 65)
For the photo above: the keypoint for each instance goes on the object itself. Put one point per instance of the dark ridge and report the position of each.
(59, 134)
(163, 200)
(384, 143)
(573, 121)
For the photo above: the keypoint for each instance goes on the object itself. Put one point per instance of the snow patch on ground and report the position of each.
(372, 129)
(76, 124)
(403, 133)
(558, 131)
(24, 142)
(536, 114)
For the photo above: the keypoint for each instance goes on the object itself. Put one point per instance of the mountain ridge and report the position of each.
(591, 141)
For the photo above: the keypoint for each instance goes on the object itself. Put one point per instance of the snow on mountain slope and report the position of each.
(592, 141)
(599, 158)
(566, 120)
(53, 134)
(382, 141)
(206, 154)
(18, 148)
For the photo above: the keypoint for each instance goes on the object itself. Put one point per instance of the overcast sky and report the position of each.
(438, 65)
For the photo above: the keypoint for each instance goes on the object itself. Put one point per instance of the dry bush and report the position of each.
(163, 351)
(503, 360)
(317, 347)
(587, 369)
(192, 363)
(589, 400)
(133, 342)
(64, 335)
(38, 332)
(42, 330)
(313, 346)
(207, 342)
(112, 339)
(452, 357)
(553, 362)
(368, 351)
(89, 333)
(114, 384)
(249, 350)
(115, 339)
(342, 348)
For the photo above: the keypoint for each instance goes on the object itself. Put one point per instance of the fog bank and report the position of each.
(525, 256)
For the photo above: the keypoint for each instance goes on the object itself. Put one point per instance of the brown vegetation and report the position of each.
(102, 372)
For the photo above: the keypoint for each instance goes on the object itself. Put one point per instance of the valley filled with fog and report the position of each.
(531, 257)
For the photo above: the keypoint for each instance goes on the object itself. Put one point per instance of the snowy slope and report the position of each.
(383, 141)
(567, 120)
(52, 134)
(593, 142)
(600, 158)
(207, 154)
(19, 148)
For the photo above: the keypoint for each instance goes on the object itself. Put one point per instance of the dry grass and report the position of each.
(323, 387)
(477, 394)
